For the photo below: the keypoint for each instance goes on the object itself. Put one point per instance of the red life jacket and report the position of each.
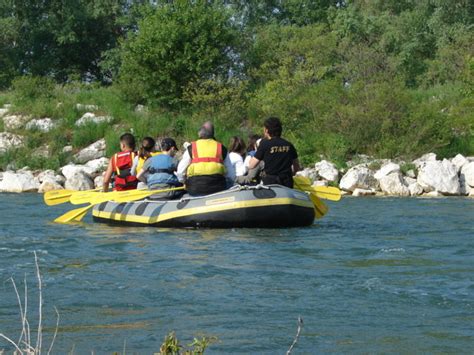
(122, 165)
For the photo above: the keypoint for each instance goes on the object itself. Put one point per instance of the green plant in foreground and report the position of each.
(171, 345)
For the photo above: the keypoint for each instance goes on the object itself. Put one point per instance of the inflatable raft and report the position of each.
(271, 206)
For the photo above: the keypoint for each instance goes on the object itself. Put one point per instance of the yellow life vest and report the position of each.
(206, 158)
(141, 161)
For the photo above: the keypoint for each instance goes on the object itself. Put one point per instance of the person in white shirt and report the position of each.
(236, 155)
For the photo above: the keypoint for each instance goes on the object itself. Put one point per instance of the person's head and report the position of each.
(237, 145)
(272, 127)
(252, 144)
(147, 147)
(168, 146)
(127, 141)
(206, 131)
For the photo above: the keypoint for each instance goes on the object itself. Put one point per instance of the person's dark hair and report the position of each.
(148, 144)
(237, 145)
(273, 125)
(252, 144)
(128, 139)
(167, 144)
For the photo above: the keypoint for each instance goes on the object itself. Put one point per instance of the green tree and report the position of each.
(178, 43)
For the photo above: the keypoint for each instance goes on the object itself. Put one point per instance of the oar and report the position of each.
(117, 196)
(56, 197)
(320, 209)
(324, 192)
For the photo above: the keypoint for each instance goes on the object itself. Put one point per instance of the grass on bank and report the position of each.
(384, 120)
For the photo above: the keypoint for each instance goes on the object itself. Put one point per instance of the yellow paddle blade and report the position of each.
(57, 197)
(324, 192)
(81, 197)
(73, 215)
(132, 195)
(320, 209)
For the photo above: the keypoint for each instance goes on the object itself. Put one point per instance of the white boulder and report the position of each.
(459, 161)
(327, 171)
(98, 165)
(89, 117)
(94, 151)
(393, 184)
(67, 149)
(387, 169)
(82, 107)
(41, 124)
(79, 181)
(423, 159)
(49, 185)
(3, 111)
(413, 186)
(99, 181)
(441, 176)
(308, 173)
(14, 121)
(18, 182)
(411, 173)
(467, 173)
(9, 141)
(50, 175)
(359, 177)
(71, 169)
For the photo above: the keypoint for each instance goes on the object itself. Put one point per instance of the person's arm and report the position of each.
(142, 174)
(133, 170)
(108, 176)
(253, 163)
(183, 166)
(295, 166)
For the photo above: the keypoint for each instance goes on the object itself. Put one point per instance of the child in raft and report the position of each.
(158, 172)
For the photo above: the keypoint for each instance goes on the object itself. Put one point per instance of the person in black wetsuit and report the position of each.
(279, 155)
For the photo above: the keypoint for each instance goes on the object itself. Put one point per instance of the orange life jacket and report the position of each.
(206, 158)
(122, 164)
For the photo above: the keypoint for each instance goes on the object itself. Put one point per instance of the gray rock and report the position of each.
(89, 117)
(359, 177)
(327, 171)
(387, 169)
(433, 194)
(67, 149)
(82, 107)
(71, 169)
(423, 159)
(14, 122)
(308, 173)
(41, 124)
(18, 182)
(141, 109)
(9, 141)
(459, 161)
(411, 173)
(98, 165)
(467, 173)
(49, 185)
(441, 176)
(99, 181)
(94, 151)
(79, 181)
(3, 112)
(42, 152)
(393, 184)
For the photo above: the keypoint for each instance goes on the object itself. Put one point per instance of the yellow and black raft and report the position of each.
(271, 206)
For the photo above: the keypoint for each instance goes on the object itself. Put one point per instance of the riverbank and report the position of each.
(80, 166)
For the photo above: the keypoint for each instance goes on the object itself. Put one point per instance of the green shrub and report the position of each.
(88, 134)
(33, 87)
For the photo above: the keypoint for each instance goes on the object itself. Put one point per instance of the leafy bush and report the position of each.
(177, 43)
(33, 87)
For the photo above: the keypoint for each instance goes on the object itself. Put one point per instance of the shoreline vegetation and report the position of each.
(384, 79)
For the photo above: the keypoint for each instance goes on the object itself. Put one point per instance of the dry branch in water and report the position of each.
(300, 326)
(23, 346)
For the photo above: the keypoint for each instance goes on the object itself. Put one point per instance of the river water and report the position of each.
(376, 275)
